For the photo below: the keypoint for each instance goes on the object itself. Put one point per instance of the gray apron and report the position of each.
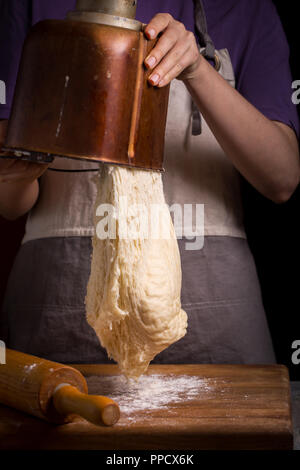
(44, 313)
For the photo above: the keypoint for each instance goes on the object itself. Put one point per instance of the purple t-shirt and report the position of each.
(250, 30)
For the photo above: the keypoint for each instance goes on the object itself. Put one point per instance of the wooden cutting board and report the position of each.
(174, 407)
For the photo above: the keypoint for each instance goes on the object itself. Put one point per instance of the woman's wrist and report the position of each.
(194, 72)
(198, 74)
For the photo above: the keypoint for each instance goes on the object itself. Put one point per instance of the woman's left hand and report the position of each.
(176, 54)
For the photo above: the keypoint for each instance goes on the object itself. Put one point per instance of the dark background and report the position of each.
(274, 234)
(273, 231)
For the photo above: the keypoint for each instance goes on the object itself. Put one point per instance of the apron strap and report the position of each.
(207, 49)
(202, 35)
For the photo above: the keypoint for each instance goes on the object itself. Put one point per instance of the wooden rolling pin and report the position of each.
(51, 391)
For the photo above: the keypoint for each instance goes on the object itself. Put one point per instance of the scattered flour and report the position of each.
(151, 392)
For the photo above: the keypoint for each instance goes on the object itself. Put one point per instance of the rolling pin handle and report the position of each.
(96, 409)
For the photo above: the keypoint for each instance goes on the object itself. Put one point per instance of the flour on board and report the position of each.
(151, 392)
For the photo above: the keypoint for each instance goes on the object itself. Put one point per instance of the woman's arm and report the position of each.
(19, 188)
(265, 152)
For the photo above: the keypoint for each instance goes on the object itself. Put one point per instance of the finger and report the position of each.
(5, 163)
(22, 170)
(11, 166)
(12, 177)
(158, 24)
(163, 46)
(176, 70)
(175, 59)
(20, 176)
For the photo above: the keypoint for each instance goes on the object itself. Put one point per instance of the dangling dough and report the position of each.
(133, 294)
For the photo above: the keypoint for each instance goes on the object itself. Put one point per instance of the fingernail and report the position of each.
(151, 33)
(161, 83)
(150, 61)
(154, 78)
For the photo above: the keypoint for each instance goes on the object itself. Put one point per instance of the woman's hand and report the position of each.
(19, 188)
(266, 153)
(13, 170)
(176, 54)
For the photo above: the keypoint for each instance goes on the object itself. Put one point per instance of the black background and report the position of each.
(273, 232)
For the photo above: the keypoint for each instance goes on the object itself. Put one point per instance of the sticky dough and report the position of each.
(133, 294)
